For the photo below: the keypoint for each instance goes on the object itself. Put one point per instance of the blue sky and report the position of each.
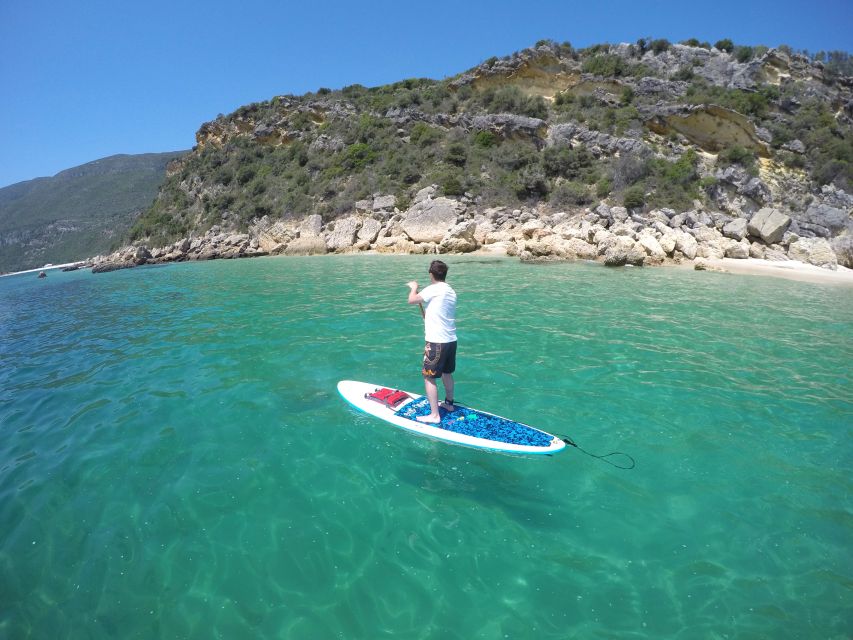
(87, 79)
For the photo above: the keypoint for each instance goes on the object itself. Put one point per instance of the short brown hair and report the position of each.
(438, 269)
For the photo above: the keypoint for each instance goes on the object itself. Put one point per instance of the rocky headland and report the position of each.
(613, 235)
(640, 154)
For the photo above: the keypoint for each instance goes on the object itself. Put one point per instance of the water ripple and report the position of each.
(175, 460)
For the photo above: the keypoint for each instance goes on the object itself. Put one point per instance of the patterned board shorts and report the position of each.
(439, 358)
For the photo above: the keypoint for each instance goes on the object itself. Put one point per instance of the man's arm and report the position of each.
(414, 296)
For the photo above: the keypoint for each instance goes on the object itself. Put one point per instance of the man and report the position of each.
(440, 336)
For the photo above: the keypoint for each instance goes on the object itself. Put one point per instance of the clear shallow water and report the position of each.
(175, 461)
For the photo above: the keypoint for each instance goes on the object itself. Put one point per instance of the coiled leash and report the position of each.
(572, 443)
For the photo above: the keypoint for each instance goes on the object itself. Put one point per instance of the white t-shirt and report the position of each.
(440, 314)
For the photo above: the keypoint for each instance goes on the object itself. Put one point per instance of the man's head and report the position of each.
(438, 270)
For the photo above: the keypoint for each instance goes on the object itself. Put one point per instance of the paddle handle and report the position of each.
(423, 313)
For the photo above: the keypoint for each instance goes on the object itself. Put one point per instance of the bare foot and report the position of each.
(447, 406)
(430, 419)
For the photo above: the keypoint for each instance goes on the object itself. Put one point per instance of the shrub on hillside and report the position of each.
(660, 45)
(485, 139)
(634, 197)
(743, 54)
(510, 99)
(424, 135)
(357, 156)
(450, 183)
(566, 161)
(725, 44)
(570, 194)
(607, 65)
(738, 155)
(456, 154)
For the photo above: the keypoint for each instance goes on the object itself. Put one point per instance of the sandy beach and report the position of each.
(790, 269)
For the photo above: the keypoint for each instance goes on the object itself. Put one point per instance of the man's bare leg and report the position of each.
(432, 394)
(447, 380)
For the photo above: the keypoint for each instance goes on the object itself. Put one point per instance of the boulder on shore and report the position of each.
(307, 245)
(344, 234)
(430, 220)
(816, 251)
(769, 225)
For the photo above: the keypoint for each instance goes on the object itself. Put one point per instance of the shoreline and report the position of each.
(788, 270)
(52, 267)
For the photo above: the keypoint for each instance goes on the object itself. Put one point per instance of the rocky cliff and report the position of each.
(632, 153)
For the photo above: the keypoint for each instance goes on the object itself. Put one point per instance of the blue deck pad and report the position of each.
(479, 425)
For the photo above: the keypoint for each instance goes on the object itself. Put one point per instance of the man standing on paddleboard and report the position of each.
(440, 336)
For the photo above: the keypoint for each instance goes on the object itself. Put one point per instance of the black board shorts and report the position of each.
(439, 358)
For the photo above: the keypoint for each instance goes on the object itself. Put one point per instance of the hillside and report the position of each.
(77, 212)
(723, 131)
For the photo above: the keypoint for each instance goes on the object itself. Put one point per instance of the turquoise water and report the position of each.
(175, 461)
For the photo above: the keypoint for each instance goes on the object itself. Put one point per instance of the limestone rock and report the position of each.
(369, 230)
(775, 255)
(429, 220)
(306, 245)
(702, 265)
(739, 250)
(381, 203)
(327, 143)
(508, 125)
(622, 229)
(756, 250)
(736, 229)
(460, 239)
(105, 267)
(364, 206)
(686, 244)
(140, 255)
(343, 235)
(843, 247)
(577, 248)
(623, 250)
(395, 244)
(273, 237)
(668, 241)
(529, 228)
(652, 247)
(834, 219)
(769, 225)
(495, 237)
(816, 251)
(601, 236)
(311, 226)
(427, 193)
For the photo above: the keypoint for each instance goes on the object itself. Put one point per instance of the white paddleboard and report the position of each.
(464, 425)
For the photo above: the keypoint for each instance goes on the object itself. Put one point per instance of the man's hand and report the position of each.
(414, 297)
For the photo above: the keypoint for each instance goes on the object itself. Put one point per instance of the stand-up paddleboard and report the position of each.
(463, 425)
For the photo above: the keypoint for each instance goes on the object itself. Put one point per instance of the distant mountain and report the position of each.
(78, 212)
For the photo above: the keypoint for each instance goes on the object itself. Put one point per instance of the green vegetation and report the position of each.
(740, 156)
(606, 65)
(510, 99)
(347, 144)
(634, 197)
(749, 103)
(725, 45)
(79, 212)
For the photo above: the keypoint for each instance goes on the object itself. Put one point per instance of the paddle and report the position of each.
(413, 289)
